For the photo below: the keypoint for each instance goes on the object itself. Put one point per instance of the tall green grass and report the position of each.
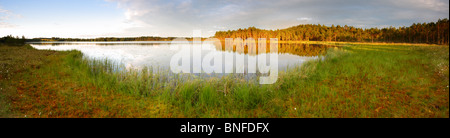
(355, 81)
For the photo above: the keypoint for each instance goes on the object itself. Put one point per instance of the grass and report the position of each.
(361, 43)
(370, 81)
(358, 80)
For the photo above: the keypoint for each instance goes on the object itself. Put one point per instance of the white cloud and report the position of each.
(6, 25)
(304, 19)
(180, 17)
(6, 15)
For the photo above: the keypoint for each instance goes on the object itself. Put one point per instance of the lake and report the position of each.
(158, 54)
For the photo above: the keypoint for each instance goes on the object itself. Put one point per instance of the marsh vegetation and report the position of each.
(356, 80)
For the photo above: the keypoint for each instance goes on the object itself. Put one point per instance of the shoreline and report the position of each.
(268, 41)
(361, 81)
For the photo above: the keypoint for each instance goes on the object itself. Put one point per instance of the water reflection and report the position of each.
(299, 49)
(158, 54)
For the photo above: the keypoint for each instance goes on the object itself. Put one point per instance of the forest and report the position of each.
(431, 33)
(12, 41)
(100, 39)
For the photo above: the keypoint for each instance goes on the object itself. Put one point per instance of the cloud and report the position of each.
(180, 17)
(6, 25)
(7, 15)
(304, 19)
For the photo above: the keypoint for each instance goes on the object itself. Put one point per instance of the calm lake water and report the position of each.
(158, 54)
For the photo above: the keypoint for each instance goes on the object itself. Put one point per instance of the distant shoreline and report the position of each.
(268, 41)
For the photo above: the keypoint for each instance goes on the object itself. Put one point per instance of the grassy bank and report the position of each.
(361, 43)
(356, 81)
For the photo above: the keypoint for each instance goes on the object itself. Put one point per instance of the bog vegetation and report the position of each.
(354, 81)
(357, 80)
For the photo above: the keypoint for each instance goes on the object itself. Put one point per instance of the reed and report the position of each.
(357, 80)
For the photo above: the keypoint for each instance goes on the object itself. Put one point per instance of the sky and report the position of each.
(178, 18)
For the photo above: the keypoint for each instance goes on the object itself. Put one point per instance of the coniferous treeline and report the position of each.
(143, 38)
(433, 33)
(12, 41)
(103, 39)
